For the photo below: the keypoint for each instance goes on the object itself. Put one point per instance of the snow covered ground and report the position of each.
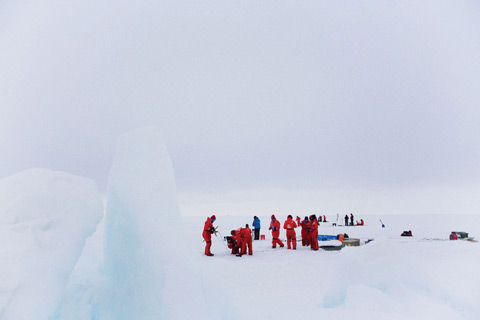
(63, 260)
(426, 276)
(422, 277)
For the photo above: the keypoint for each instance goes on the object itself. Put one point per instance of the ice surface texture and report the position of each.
(145, 256)
(45, 218)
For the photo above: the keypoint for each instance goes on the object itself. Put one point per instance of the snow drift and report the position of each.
(45, 217)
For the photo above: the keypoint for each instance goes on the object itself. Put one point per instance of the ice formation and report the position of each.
(146, 262)
(45, 218)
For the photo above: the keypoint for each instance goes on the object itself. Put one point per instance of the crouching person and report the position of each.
(234, 242)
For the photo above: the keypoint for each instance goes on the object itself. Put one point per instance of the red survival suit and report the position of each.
(314, 234)
(236, 242)
(305, 232)
(275, 227)
(290, 226)
(246, 236)
(208, 229)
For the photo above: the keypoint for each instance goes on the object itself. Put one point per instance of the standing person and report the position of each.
(324, 219)
(314, 232)
(346, 219)
(275, 227)
(246, 236)
(351, 219)
(208, 229)
(305, 232)
(290, 226)
(256, 227)
(299, 221)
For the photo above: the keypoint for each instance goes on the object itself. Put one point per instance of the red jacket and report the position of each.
(236, 238)
(290, 225)
(306, 225)
(246, 234)
(275, 226)
(208, 225)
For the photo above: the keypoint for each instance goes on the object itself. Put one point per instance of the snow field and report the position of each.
(392, 277)
(62, 261)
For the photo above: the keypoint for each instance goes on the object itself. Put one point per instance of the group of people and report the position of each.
(361, 223)
(309, 232)
(241, 239)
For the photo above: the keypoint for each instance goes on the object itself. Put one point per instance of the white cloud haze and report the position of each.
(373, 96)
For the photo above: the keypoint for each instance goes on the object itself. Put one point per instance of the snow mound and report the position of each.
(45, 218)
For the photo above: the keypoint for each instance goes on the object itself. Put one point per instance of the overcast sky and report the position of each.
(322, 96)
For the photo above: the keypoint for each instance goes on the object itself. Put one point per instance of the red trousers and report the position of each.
(305, 238)
(314, 240)
(246, 243)
(275, 240)
(291, 237)
(208, 239)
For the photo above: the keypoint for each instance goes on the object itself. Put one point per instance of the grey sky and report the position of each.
(248, 94)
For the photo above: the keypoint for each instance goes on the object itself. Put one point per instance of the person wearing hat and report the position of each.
(234, 241)
(306, 232)
(314, 232)
(208, 229)
(275, 227)
(246, 236)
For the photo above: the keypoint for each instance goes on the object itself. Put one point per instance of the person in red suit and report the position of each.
(208, 229)
(235, 241)
(314, 232)
(275, 227)
(246, 236)
(305, 232)
(290, 226)
(299, 221)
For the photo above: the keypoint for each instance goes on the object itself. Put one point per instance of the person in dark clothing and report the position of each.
(306, 232)
(351, 219)
(256, 227)
(346, 219)
(314, 232)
